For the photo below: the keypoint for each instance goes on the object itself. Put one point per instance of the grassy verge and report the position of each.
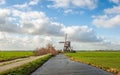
(109, 61)
(10, 55)
(27, 68)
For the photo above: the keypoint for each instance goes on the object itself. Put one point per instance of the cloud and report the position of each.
(32, 22)
(107, 45)
(112, 10)
(82, 34)
(68, 11)
(60, 3)
(69, 6)
(33, 2)
(27, 4)
(110, 18)
(107, 22)
(10, 41)
(90, 4)
(33, 29)
(2, 2)
(115, 1)
(36, 23)
(13, 41)
(21, 5)
(6, 21)
(2, 35)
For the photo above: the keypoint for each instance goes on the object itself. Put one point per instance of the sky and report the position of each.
(31, 24)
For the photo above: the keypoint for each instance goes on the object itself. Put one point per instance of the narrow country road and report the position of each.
(15, 60)
(61, 65)
(19, 63)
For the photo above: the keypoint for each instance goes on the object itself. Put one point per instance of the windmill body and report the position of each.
(67, 45)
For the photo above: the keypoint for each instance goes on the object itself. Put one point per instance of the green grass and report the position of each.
(10, 55)
(102, 59)
(28, 68)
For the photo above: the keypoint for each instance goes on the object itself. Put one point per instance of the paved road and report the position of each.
(61, 65)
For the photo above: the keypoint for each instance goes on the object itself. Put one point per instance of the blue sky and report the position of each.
(28, 24)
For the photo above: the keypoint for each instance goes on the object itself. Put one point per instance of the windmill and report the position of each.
(67, 45)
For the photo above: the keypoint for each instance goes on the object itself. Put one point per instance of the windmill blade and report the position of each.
(61, 42)
(65, 37)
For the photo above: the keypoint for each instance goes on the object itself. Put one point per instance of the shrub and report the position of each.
(45, 50)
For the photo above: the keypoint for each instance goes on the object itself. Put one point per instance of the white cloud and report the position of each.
(114, 10)
(60, 3)
(115, 1)
(68, 11)
(81, 12)
(36, 23)
(90, 4)
(27, 4)
(4, 12)
(109, 19)
(34, 29)
(107, 22)
(2, 36)
(6, 21)
(107, 45)
(21, 5)
(13, 41)
(32, 22)
(68, 6)
(10, 41)
(82, 34)
(2, 2)
(34, 2)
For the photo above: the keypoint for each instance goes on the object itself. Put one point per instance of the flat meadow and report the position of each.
(10, 55)
(104, 60)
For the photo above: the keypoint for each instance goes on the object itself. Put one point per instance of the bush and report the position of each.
(45, 50)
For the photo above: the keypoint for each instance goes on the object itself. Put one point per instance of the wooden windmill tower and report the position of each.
(67, 45)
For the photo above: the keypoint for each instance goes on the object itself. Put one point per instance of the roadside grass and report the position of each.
(28, 68)
(109, 61)
(10, 55)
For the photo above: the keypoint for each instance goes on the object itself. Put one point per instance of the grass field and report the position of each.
(9, 55)
(104, 60)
